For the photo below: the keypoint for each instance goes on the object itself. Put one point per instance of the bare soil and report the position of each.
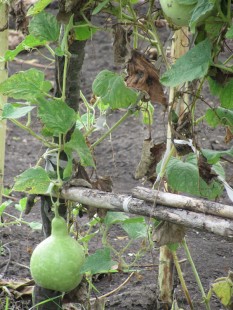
(116, 157)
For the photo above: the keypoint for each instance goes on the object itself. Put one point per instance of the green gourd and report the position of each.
(56, 262)
(176, 13)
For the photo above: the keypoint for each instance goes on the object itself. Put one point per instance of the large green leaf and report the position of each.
(56, 115)
(83, 31)
(114, 217)
(38, 7)
(15, 110)
(27, 85)
(99, 262)
(33, 181)
(135, 227)
(78, 144)
(213, 156)
(183, 176)
(29, 42)
(112, 90)
(217, 116)
(224, 92)
(193, 65)
(202, 10)
(44, 26)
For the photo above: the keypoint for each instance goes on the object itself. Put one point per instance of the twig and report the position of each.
(33, 64)
(21, 265)
(116, 289)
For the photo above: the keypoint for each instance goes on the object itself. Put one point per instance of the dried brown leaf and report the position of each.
(143, 76)
(205, 171)
(229, 135)
(168, 233)
(150, 157)
(121, 47)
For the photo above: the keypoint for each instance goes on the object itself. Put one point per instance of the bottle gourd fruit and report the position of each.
(176, 13)
(56, 262)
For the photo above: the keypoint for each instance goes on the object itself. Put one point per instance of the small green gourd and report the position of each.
(56, 262)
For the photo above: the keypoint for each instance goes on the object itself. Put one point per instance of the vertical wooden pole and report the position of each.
(180, 46)
(3, 77)
(165, 278)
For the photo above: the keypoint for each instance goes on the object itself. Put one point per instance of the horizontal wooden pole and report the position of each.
(183, 202)
(126, 203)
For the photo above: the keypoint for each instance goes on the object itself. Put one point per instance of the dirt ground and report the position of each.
(116, 157)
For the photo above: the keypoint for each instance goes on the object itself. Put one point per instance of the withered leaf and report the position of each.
(121, 37)
(229, 135)
(167, 233)
(205, 170)
(150, 157)
(182, 130)
(143, 76)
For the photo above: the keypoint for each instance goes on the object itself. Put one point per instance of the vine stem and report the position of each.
(182, 281)
(32, 133)
(121, 120)
(198, 280)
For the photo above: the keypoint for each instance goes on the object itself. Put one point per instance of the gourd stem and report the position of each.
(56, 206)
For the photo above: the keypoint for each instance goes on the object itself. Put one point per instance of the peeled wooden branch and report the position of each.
(126, 203)
(183, 202)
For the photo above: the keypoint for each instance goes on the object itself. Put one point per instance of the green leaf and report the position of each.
(193, 65)
(100, 6)
(32, 181)
(183, 176)
(28, 43)
(67, 172)
(84, 119)
(87, 238)
(213, 26)
(15, 110)
(78, 144)
(38, 7)
(21, 206)
(4, 205)
(214, 156)
(215, 88)
(44, 26)
(218, 116)
(99, 262)
(35, 225)
(147, 113)
(229, 34)
(83, 31)
(201, 12)
(112, 90)
(223, 290)
(224, 92)
(135, 227)
(114, 217)
(30, 85)
(56, 115)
